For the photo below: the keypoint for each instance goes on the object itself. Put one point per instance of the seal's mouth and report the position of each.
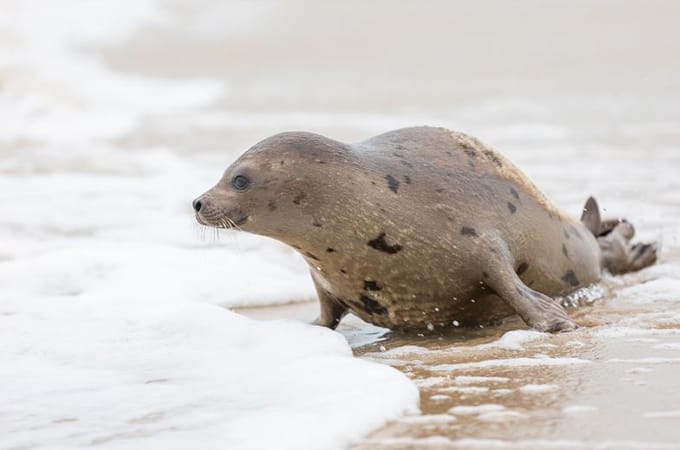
(224, 222)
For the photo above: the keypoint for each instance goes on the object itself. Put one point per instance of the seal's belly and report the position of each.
(423, 287)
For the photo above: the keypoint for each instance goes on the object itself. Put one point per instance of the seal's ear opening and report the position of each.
(591, 216)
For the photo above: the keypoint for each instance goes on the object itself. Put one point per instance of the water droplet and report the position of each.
(430, 327)
(456, 323)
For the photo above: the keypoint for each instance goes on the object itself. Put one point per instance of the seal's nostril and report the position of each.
(197, 205)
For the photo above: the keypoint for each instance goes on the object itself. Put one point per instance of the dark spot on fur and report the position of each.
(370, 285)
(406, 163)
(271, 205)
(312, 255)
(485, 275)
(392, 183)
(407, 179)
(494, 251)
(522, 268)
(343, 271)
(379, 243)
(373, 183)
(281, 162)
(570, 277)
(398, 155)
(467, 231)
(317, 224)
(440, 190)
(330, 250)
(514, 193)
(298, 198)
(492, 156)
(566, 234)
(449, 153)
(321, 161)
(565, 252)
(512, 208)
(371, 306)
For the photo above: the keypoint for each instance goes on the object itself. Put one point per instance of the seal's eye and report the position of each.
(240, 183)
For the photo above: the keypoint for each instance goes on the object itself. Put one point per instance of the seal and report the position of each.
(419, 228)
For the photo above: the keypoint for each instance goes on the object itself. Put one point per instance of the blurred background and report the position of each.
(114, 115)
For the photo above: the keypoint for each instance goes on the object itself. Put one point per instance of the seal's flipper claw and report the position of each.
(539, 311)
(591, 216)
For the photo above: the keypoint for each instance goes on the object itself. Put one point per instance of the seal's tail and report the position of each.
(619, 254)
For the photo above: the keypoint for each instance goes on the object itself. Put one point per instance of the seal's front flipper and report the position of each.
(332, 311)
(538, 310)
(620, 256)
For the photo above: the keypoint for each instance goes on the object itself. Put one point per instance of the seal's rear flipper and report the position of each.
(591, 216)
(620, 256)
(592, 219)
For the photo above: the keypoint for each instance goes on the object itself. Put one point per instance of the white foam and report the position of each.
(428, 419)
(430, 382)
(579, 409)
(469, 379)
(655, 291)
(538, 388)
(173, 374)
(465, 389)
(515, 340)
(511, 362)
(501, 416)
(468, 410)
(613, 332)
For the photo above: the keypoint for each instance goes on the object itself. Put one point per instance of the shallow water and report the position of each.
(116, 115)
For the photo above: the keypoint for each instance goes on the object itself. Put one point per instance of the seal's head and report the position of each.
(276, 187)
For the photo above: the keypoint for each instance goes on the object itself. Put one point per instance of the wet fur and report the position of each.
(414, 229)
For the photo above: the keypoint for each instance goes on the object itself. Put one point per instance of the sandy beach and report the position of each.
(123, 324)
